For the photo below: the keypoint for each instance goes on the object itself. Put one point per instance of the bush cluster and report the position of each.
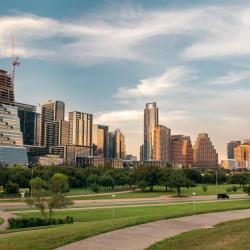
(37, 222)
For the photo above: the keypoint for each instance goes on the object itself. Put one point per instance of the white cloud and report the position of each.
(232, 78)
(216, 31)
(156, 85)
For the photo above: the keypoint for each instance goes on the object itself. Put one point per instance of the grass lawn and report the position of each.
(233, 235)
(1, 221)
(159, 191)
(99, 221)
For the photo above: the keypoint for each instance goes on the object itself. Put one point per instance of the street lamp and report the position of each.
(113, 195)
(194, 204)
(22, 196)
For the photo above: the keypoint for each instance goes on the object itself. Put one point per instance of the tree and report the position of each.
(59, 183)
(204, 188)
(178, 179)
(106, 181)
(164, 178)
(240, 179)
(246, 189)
(11, 188)
(56, 201)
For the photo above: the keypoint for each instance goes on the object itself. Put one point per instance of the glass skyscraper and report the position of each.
(150, 121)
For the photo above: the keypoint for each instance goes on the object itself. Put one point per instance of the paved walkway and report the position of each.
(142, 236)
(6, 216)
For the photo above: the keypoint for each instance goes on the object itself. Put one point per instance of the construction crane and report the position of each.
(15, 61)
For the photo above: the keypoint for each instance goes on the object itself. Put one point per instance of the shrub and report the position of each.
(95, 188)
(204, 188)
(11, 188)
(234, 188)
(37, 222)
(229, 189)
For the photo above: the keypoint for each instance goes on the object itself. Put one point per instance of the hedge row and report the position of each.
(37, 222)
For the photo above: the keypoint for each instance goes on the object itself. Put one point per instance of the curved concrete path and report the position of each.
(142, 236)
(6, 216)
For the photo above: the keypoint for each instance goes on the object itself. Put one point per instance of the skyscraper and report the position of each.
(28, 118)
(205, 155)
(120, 146)
(80, 129)
(230, 148)
(182, 150)
(111, 145)
(242, 152)
(101, 140)
(11, 140)
(150, 121)
(50, 111)
(162, 143)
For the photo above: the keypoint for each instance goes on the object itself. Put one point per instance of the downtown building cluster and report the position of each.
(161, 147)
(46, 138)
(238, 155)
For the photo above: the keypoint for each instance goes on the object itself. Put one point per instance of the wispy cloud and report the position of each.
(216, 31)
(232, 78)
(156, 85)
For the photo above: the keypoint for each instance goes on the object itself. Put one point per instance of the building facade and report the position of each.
(150, 121)
(182, 151)
(242, 152)
(80, 129)
(6, 89)
(51, 111)
(28, 122)
(205, 155)
(101, 140)
(120, 146)
(162, 143)
(230, 148)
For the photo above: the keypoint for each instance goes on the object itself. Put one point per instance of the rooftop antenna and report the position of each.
(15, 60)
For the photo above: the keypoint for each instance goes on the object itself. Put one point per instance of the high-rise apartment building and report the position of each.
(50, 111)
(101, 140)
(6, 89)
(162, 143)
(120, 146)
(11, 141)
(28, 122)
(182, 151)
(150, 121)
(141, 152)
(230, 148)
(57, 133)
(205, 155)
(80, 129)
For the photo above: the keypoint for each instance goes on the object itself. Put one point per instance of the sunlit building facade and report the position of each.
(101, 140)
(205, 155)
(150, 121)
(182, 151)
(162, 143)
(230, 148)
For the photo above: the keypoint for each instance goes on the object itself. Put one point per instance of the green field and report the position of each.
(99, 221)
(233, 235)
(159, 191)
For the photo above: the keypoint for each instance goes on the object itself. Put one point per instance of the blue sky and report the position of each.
(111, 57)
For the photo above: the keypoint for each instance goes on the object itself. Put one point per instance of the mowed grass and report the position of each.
(96, 222)
(233, 235)
(160, 191)
(150, 212)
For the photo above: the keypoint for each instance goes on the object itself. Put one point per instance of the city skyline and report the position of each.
(198, 84)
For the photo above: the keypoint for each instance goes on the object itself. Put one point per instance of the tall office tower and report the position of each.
(150, 121)
(205, 155)
(111, 145)
(182, 150)
(101, 140)
(162, 143)
(11, 141)
(120, 146)
(28, 118)
(141, 152)
(230, 148)
(50, 111)
(57, 133)
(6, 89)
(80, 129)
